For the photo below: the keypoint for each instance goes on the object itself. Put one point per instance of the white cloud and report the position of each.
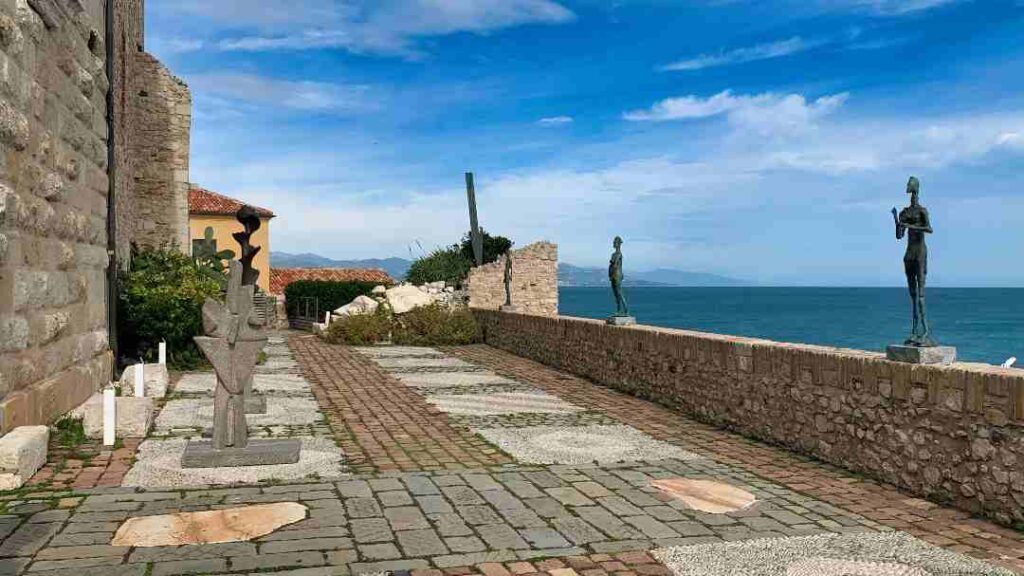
(767, 113)
(889, 7)
(555, 121)
(748, 54)
(374, 26)
(298, 95)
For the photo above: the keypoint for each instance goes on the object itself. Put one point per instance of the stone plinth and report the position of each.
(22, 454)
(134, 416)
(621, 320)
(510, 308)
(256, 453)
(941, 355)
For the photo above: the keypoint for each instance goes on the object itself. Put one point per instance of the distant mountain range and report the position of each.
(568, 275)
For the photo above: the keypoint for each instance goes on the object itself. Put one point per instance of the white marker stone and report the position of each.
(109, 416)
(140, 381)
(162, 352)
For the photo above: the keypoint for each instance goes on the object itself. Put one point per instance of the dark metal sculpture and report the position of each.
(508, 278)
(615, 276)
(475, 236)
(249, 217)
(913, 221)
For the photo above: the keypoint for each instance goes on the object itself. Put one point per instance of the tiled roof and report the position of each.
(203, 201)
(282, 277)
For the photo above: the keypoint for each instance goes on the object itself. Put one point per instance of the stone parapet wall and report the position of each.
(535, 281)
(952, 434)
(53, 208)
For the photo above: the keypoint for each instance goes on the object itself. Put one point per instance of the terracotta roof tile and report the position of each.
(282, 277)
(203, 201)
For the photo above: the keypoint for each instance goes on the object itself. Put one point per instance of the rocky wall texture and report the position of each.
(952, 434)
(534, 285)
(53, 208)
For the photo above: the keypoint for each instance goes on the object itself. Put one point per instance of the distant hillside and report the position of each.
(395, 267)
(569, 275)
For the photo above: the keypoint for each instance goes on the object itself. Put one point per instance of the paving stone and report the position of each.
(481, 482)
(385, 484)
(264, 562)
(503, 500)
(362, 508)
(434, 505)
(199, 552)
(650, 527)
(577, 530)
(501, 536)
(420, 485)
(544, 538)
(122, 570)
(477, 515)
(325, 532)
(421, 543)
(544, 479)
(619, 506)
(308, 544)
(664, 513)
(50, 516)
(546, 507)
(569, 496)
(763, 524)
(99, 517)
(592, 489)
(608, 523)
(189, 567)
(82, 539)
(691, 529)
(464, 544)
(397, 498)
(620, 546)
(110, 527)
(74, 564)
(474, 558)
(387, 566)
(451, 525)
(462, 495)
(549, 553)
(523, 489)
(91, 551)
(522, 518)
(27, 540)
(355, 489)
(339, 558)
(13, 565)
(379, 551)
(371, 530)
(786, 517)
(449, 480)
(406, 518)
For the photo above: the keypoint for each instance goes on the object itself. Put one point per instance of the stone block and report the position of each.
(134, 416)
(22, 453)
(941, 355)
(256, 453)
(154, 376)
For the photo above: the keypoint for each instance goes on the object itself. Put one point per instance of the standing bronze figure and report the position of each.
(508, 278)
(615, 276)
(913, 222)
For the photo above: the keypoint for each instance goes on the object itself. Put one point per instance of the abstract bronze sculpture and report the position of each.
(249, 218)
(615, 276)
(508, 306)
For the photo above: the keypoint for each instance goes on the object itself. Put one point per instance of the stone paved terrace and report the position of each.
(473, 461)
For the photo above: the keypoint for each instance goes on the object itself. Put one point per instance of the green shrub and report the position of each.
(360, 329)
(435, 325)
(161, 298)
(331, 295)
(444, 264)
(494, 247)
(69, 431)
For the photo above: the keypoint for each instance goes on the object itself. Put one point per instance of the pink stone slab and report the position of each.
(210, 527)
(706, 495)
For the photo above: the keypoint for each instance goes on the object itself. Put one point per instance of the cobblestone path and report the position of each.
(572, 479)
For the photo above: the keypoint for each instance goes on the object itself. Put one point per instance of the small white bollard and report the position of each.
(162, 353)
(140, 381)
(109, 417)
(1010, 362)
(327, 320)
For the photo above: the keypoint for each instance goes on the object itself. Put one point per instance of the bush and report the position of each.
(360, 329)
(161, 298)
(494, 247)
(444, 264)
(331, 295)
(435, 325)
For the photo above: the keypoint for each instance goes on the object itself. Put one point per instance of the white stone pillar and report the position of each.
(109, 417)
(163, 353)
(140, 380)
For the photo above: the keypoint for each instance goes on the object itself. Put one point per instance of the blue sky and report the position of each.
(761, 139)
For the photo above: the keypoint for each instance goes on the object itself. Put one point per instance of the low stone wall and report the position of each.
(534, 286)
(952, 434)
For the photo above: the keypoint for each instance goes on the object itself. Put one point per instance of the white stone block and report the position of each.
(155, 378)
(22, 454)
(109, 417)
(134, 416)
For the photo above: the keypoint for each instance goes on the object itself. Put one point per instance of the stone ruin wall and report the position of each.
(535, 281)
(152, 110)
(952, 434)
(53, 208)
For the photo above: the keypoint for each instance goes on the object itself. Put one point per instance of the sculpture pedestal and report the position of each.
(941, 355)
(201, 454)
(255, 404)
(509, 308)
(621, 320)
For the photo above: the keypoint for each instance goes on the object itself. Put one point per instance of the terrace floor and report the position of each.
(472, 461)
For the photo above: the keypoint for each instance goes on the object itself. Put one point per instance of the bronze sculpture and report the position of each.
(615, 276)
(249, 218)
(508, 278)
(913, 221)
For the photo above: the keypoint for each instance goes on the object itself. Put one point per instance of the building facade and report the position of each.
(212, 219)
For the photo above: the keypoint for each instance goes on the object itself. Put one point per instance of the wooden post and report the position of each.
(474, 225)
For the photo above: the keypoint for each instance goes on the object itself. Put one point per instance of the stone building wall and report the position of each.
(53, 208)
(953, 434)
(152, 111)
(535, 281)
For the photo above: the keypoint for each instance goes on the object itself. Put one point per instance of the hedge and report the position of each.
(331, 295)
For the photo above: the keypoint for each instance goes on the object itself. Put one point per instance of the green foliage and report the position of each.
(360, 329)
(435, 325)
(331, 295)
(69, 431)
(494, 247)
(161, 298)
(447, 264)
(211, 261)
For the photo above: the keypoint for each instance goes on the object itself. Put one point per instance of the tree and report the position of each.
(494, 247)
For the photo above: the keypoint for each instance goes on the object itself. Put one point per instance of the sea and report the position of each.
(985, 324)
